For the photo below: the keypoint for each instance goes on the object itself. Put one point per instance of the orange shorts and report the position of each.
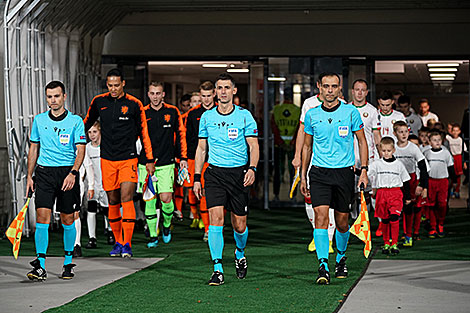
(191, 168)
(116, 172)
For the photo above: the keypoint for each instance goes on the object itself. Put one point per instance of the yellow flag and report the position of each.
(15, 230)
(295, 182)
(361, 227)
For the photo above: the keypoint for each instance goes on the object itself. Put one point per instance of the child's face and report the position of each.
(94, 134)
(423, 136)
(455, 132)
(449, 128)
(387, 150)
(436, 141)
(402, 134)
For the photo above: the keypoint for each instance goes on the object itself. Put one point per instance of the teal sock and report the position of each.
(69, 240)
(41, 240)
(341, 244)
(240, 241)
(167, 210)
(216, 246)
(322, 243)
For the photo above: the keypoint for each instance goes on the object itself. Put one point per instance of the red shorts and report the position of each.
(116, 172)
(437, 192)
(191, 169)
(388, 201)
(413, 184)
(458, 164)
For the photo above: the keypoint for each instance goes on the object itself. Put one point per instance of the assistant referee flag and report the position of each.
(361, 227)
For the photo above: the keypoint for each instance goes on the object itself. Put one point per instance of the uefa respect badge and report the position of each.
(233, 133)
(64, 139)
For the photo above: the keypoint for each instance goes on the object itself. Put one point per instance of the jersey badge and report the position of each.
(365, 114)
(412, 121)
(124, 109)
(167, 117)
(233, 133)
(64, 139)
(393, 121)
(343, 131)
(286, 113)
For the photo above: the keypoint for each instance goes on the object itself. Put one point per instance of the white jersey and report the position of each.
(386, 123)
(409, 155)
(439, 161)
(414, 123)
(427, 117)
(369, 118)
(311, 103)
(385, 174)
(424, 148)
(92, 164)
(456, 145)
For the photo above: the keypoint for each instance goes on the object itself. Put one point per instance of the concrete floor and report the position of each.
(19, 294)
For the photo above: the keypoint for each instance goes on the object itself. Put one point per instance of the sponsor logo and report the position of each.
(124, 109)
(167, 117)
(104, 108)
(233, 133)
(166, 125)
(64, 139)
(123, 118)
(343, 131)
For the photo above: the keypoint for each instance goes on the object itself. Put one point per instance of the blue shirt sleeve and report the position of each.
(356, 121)
(251, 129)
(203, 127)
(34, 132)
(80, 137)
(308, 123)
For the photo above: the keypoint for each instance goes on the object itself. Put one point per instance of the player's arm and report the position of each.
(201, 152)
(306, 149)
(92, 115)
(299, 143)
(90, 174)
(69, 181)
(32, 159)
(141, 120)
(364, 156)
(377, 138)
(254, 158)
(181, 145)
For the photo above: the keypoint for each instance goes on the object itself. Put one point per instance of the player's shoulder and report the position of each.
(172, 108)
(74, 117)
(133, 99)
(399, 114)
(100, 97)
(42, 116)
(194, 110)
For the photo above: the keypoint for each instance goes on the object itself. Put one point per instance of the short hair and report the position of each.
(54, 84)
(385, 95)
(157, 84)
(398, 92)
(413, 137)
(399, 124)
(387, 141)
(435, 133)
(456, 125)
(424, 129)
(360, 80)
(404, 99)
(115, 72)
(195, 93)
(225, 76)
(207, 85)
(327, 74)
(185, 97)
(97, 125)
(423, 100)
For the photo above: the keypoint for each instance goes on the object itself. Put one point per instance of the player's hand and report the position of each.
(150, 167)
(419, 191)
(363, 179)
(91, 194)
(183, 164)
(424, 193)
(29, 185)
(374, 193)
(465, 165)
(249, 178)
(197, 189)
(69, 181)
(407, 202)
(303, 188)
(296, 162)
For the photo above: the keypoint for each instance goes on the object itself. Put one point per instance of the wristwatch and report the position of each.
(253, 168)
(365, 168)
(74, 172)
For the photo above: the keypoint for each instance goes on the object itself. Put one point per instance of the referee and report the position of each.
(58, 148)
(226, 131)
(331, 126)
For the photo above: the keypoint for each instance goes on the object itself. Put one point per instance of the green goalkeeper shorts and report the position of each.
(165, 175)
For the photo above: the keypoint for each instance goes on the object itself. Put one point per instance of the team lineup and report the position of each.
(406, 164)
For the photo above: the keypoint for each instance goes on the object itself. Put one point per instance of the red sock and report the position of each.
(417, 222)
(385, 232)
(427, 215)
(441, 214)
(193, 203)
(204, 213)
(179, 198)
(433, 218)
(457, 187)
(128, 221)
(115, 221)
(394, 231)
(408, 224)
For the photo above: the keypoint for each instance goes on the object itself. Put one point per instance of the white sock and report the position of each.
(78, 227)
(310, 214)
(158, 218)
(331, 224)
(106, 223)
(91, 223)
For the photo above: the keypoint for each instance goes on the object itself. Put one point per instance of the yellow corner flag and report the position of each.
(295, 182)
(15, 230)
(361, 227)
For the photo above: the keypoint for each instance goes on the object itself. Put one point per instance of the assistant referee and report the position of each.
(331, 127)
(226, 131)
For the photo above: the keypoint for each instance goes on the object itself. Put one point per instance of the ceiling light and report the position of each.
(238, 70)
(214, 65)
(442, 74)
(442, 69)
(442, 78)
(277, 79)
(442, 64)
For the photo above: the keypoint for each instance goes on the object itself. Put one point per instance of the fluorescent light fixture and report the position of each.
(442, 74)
(238, 70)
(277, 79)
(218, 65)
(442, 78)
(443, 64)
(442, 69)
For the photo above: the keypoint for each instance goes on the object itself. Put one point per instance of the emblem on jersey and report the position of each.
(393, 121)
(124, 109)
(286, 113)
(233, 133)
(64, 139)
(412, 121)
(365, 114)
(343, 131)
(167, 117)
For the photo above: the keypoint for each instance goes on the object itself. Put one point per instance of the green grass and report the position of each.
(281, 273)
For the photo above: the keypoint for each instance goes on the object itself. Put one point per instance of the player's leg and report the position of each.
(310, 214)
(394, 233)
(386, 235)
(193, 202)
(203, 207)
(331, 228)
(320, 235)
(342, 238)
(150, 207)
(165, 177)
(128, 216)
(216, 243)
(91, 223)
(432, 204)
(442, 205)
(41, 241)
(77, 250)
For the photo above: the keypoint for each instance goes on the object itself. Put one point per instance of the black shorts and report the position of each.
(333, 187)
(49, 182)
(224, 187)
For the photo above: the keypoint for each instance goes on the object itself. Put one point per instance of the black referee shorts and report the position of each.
(49, 182)
(332, 186)
(224, 187)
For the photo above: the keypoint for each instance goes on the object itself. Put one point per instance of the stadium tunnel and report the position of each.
(77, 41)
